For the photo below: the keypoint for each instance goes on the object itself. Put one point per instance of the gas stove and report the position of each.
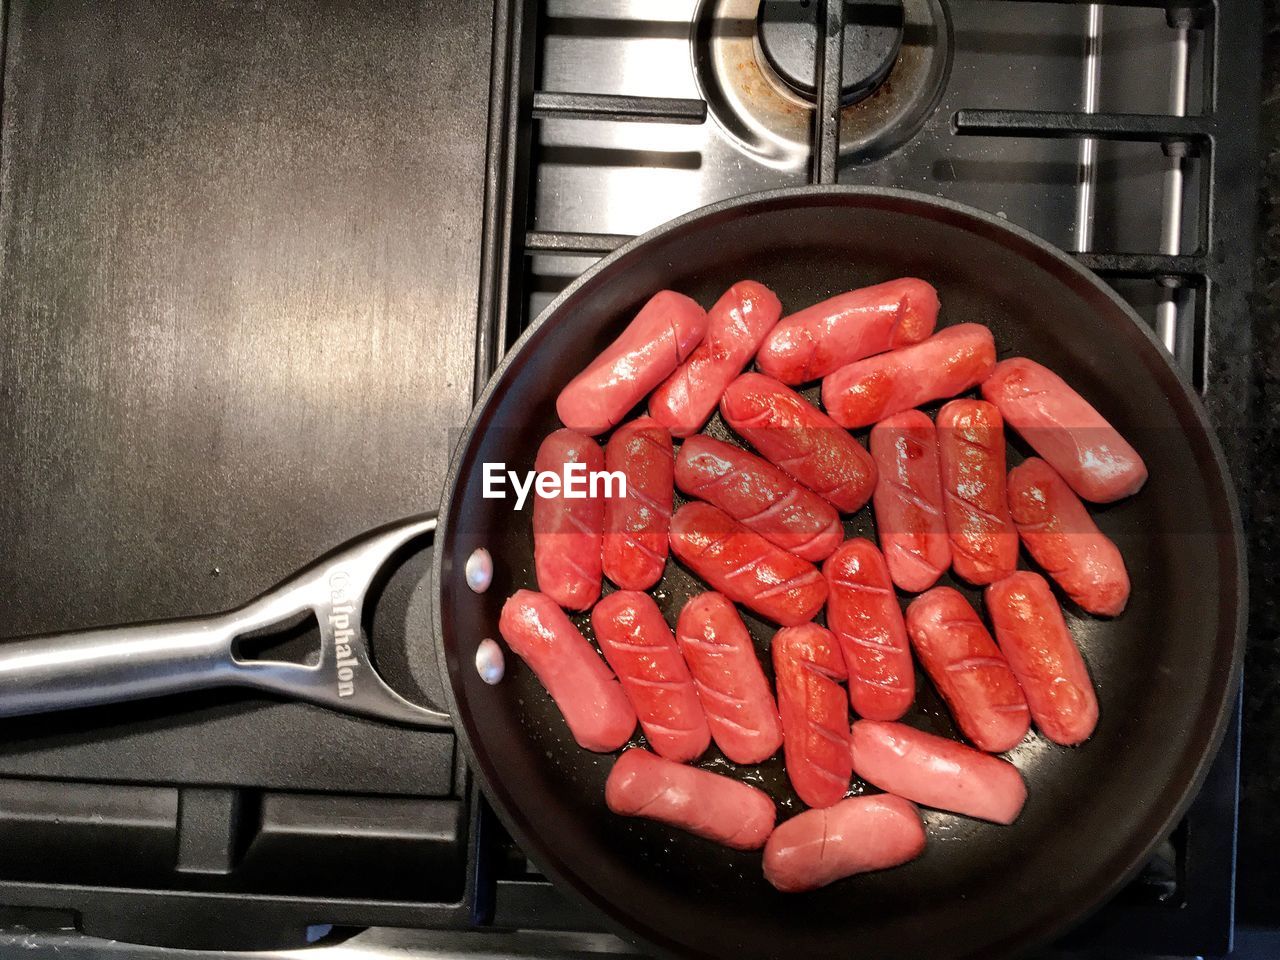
(1122, 132)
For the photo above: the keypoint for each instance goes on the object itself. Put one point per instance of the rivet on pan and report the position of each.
(490, 662)
(479, 570)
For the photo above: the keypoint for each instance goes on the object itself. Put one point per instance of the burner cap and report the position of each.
(788, 35)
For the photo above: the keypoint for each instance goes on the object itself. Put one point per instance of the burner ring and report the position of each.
(768, 118)
(787, 38)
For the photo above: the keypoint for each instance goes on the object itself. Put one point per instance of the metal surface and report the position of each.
(830, 54)
(379, 943)
(1171, 213)
(90, 668)
(231, 235)
(681, 894)
(589, 106)
(788, 32)
(1088, 181)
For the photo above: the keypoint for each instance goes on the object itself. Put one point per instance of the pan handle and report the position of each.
(92, 667)
(110, 665)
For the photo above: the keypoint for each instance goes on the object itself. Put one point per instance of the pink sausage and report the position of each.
(567, 533)
(1062, 537)
(731, 686)
(746, 567)
(850, 326)
(735, 326)
(798, 437)
(937, 772)
(1065, 430)
(984, 541)
(760, 496)
(863, 613)
(593, 703)
(702, 802)
(639, 646)
(636, 526)
(856, 835)
(950, 362)
(663, 333)
(968, 669)
(815, 715)
(908, 501)
(1043, 656)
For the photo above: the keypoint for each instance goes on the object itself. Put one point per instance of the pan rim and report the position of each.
(1218, 474)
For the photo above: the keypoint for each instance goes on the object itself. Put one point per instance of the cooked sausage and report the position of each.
(937, 772)
(567, 532)
(702, 802)
(759, 496)
(1043, 656)
(950, 362)
(849, 326)
(734, 692)
(795, 435)
(639, 646)
(735, 326)
(663, 333)
(808, 666)
(856, 835)
(636, 526)
(1061, 426)
(968, 669)
(1062, 537)
(863, 613)
(746, 567)
(908, 500)
(984, 541)
(598, 713)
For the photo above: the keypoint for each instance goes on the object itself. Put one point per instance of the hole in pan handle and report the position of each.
(113, 664)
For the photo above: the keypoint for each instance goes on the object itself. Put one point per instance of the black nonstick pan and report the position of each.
(1165, 670)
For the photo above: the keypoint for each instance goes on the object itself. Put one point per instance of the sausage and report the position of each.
(984, 541)
(863, 613)
(639, 646)
(636, 526)
(968, 669)
(847, 327)
(808, 666)
(704, 803)
(1043, 656)
(908, 500)
(950, 362)
(746, 567)
(733, 690)
(1062, 537)
(598, 713)
(736, 324)
(795, 435)
(856, 835)
(937, 772)
(1061, 426)
(663, 333)
(567, 533)
(759, 496)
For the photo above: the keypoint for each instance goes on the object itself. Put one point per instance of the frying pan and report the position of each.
(1165, 670)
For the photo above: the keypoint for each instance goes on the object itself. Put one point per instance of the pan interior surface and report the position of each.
(1164, 669)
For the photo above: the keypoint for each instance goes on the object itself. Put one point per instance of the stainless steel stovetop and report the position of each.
(1119, 131)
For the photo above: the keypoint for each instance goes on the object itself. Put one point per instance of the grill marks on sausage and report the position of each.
(642, 651)
(815, 715)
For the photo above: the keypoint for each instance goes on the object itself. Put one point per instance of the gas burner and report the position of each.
(755, 63)
(787, 34)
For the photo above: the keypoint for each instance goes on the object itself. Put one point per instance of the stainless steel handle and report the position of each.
(92, 667)
(119, 663)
